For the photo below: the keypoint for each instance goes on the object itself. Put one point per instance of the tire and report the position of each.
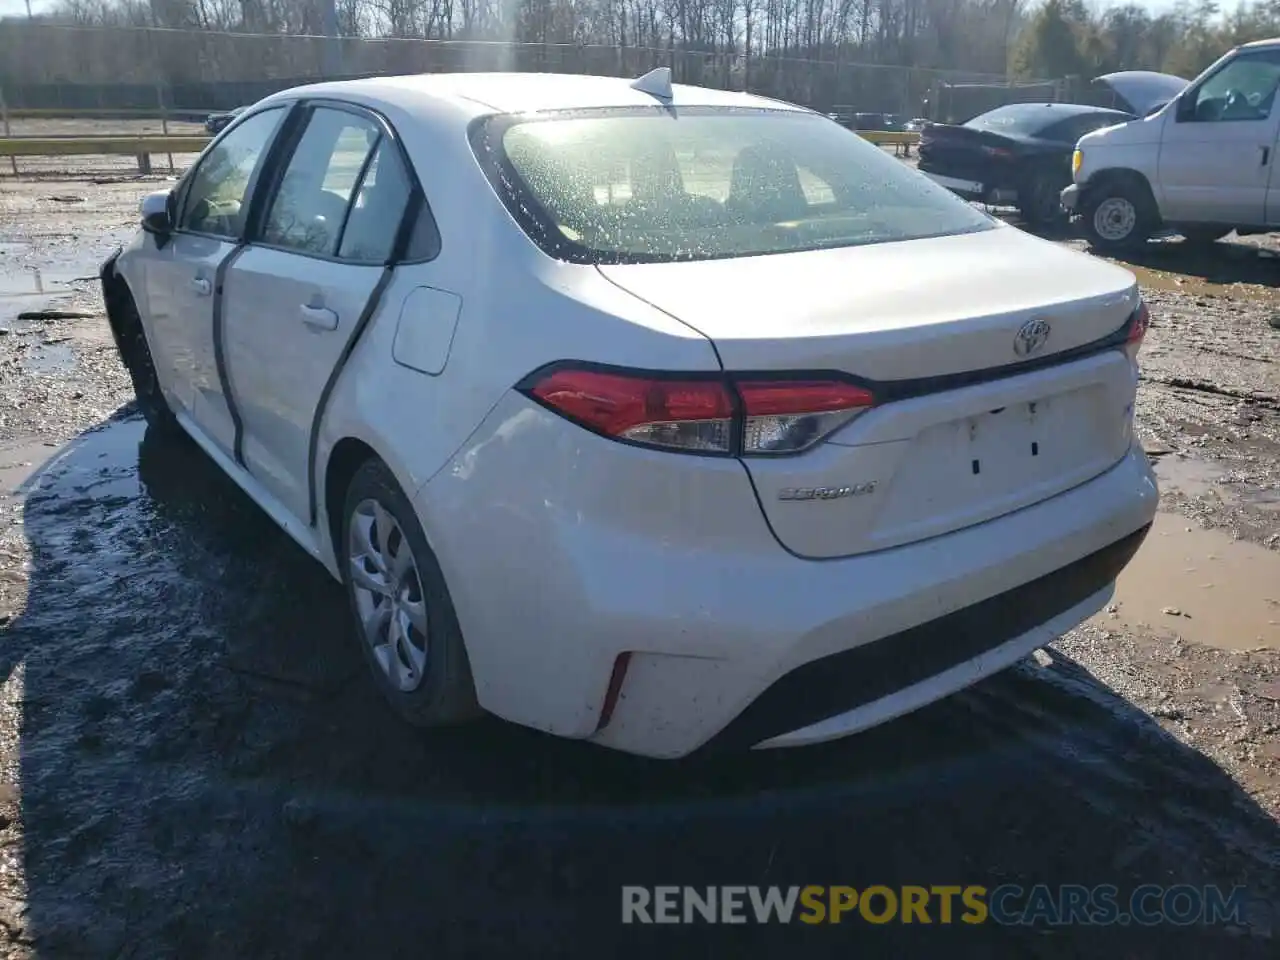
(136, 355)
(1040, 199)
(1117, 216)
(424, 676)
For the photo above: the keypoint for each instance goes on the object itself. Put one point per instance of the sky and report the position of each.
(9, 7)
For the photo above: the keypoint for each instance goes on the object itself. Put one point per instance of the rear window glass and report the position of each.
(1073, 128)
(1026, 119)
(652, 184)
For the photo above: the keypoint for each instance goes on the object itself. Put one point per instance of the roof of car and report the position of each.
(1255, 44)
(523, 92)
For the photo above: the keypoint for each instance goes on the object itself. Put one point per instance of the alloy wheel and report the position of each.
(388, 592)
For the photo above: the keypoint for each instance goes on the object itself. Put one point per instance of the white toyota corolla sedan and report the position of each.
(649, 415)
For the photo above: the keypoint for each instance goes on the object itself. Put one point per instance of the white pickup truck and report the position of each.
(1203, 164)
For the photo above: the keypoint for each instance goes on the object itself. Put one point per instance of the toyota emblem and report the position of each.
(1031, 337)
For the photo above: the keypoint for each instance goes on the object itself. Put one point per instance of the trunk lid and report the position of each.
(962, 151)
(933, 323)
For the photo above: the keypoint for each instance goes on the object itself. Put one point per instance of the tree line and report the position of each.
(1057, 38)
(1067, 38)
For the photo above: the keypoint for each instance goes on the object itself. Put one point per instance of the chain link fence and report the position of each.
(99, 70)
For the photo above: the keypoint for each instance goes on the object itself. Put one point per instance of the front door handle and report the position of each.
(319, 318)
(201, 286)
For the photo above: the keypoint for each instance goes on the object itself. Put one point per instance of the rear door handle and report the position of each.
(201, 286)
(319, 318)
(1266, 155)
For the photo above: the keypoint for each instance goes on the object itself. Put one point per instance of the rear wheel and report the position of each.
(1116, 217)
(408, 631)
(135, 352)
(1040, 200)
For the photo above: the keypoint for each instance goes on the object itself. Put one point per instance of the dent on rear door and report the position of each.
(287, 323)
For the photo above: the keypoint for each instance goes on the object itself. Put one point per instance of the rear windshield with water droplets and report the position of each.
(658, 184)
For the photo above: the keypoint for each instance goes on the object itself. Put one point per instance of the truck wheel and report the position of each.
(1116, 217)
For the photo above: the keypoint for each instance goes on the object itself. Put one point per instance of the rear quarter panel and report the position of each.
(519, 310)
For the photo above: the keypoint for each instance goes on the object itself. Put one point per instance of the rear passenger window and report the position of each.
(345, 192)
(309, 209)
(379, 208)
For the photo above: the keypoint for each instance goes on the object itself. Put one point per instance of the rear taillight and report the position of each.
(1141, 321)
(1001, 153)
(784, 416)
(694, 415)
(1138, 325)
(739, 416)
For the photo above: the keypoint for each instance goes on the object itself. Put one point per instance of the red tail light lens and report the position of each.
(1138, 326)
(746, 416)
(694, 415)
(998, 152)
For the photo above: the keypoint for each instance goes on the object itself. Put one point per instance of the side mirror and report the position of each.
(1186, 108)
(155, 214)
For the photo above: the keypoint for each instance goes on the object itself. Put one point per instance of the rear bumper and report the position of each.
(599, 550)
(857, 688)
(974, 189)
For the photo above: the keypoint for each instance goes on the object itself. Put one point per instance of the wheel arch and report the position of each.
(1125, 176)
(115, 291)
(345, 458)
(340, 464)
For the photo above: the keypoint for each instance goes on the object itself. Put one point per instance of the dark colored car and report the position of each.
(869, 121)
(866, 121)
(215, 122)
(1018, 154)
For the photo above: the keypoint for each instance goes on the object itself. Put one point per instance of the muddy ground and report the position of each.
(192, 765)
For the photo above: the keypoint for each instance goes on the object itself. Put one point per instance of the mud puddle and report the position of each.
(48, 359)
(19, 461)
(24, 291)
(1202, 586)
(1218, 481)
(1202, 287)
(1239, 271)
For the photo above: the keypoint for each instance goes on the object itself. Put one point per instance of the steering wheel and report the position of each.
(1237, 105)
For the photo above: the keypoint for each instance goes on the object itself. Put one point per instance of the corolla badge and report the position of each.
(827, 493)
(1031, 337)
